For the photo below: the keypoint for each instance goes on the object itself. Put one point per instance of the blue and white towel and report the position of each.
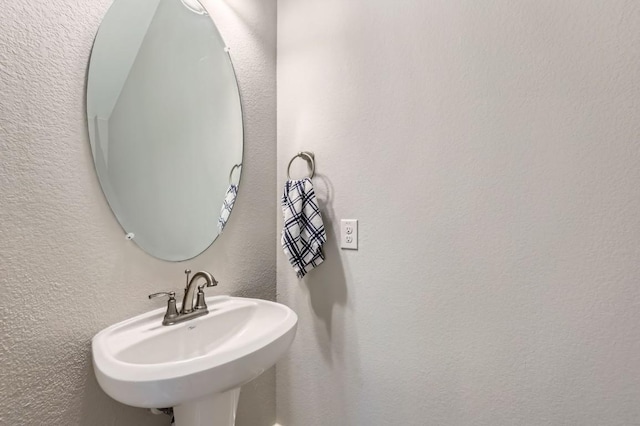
(227, 206)
(303, 233)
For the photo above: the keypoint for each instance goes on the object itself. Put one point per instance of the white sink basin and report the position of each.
(197, 366)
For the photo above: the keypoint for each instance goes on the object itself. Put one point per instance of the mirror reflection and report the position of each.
(165, 124)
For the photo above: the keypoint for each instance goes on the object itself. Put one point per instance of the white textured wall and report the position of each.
(491, 151)
(66, 270)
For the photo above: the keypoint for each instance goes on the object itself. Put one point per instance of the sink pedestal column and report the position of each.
(218, 409)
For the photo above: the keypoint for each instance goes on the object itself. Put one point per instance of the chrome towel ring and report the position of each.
(309, 157)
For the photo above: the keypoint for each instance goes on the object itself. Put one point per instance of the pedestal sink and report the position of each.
(196, 367)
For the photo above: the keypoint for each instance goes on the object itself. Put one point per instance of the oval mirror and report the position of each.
(165, 124)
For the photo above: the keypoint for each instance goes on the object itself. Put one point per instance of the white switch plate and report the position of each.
(349, 234)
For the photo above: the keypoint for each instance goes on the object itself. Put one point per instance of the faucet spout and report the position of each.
(188, 300)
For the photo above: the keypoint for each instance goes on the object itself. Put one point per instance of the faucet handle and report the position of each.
(172, 310)
(200, 302)
(171, 294)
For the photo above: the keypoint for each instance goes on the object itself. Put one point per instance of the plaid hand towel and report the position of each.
(227, 205)
(303, 233)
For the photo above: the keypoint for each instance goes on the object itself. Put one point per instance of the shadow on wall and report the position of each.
(327, 285)
(240, 15)
(100, 409)
(331, 308)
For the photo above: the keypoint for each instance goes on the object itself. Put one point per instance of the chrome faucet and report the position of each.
(187, 300)
(188, 309)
